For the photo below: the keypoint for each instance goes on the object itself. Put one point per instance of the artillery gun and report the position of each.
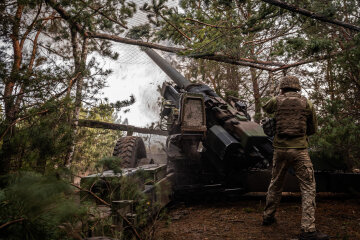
(212, 145)
(210, 141)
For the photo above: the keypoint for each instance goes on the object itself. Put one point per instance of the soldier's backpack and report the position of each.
(291, 115)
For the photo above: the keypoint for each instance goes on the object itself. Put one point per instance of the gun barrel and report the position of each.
(179, 79)
(170, 93)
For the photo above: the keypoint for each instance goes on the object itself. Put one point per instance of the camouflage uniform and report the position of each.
(299, 159)
(294, 123)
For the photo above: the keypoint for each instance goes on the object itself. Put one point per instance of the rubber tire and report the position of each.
(130, 149)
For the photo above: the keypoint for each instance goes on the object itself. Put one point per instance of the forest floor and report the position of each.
(337, 216)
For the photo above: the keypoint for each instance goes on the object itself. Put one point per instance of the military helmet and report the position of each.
(290, 82)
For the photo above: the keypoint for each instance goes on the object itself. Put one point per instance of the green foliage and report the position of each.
(43, 137)
(336, 144)
(138, 32)
(319, 45)
(92, 144)
(301, 46)
(37, 206)
(297, 43)
(48, 73)
(109, 163)
(42, 204)
(114, 187)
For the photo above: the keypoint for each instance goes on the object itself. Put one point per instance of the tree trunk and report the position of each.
(41, 164)
(7, 149)
(233, 79)
(80, 65)
(330, 80)
(256, 94)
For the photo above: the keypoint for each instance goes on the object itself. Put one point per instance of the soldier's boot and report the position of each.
(313, 236)
(267, 221)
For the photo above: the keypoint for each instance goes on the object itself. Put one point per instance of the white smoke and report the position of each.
(135, 73)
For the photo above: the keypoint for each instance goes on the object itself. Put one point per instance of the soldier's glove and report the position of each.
(269, 126)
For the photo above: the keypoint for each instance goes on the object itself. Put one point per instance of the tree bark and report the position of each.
(80, 66)
(256, 94)
(330, 80)
(7, 148)
(233, 78)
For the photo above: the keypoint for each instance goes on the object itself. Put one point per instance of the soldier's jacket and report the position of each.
(293, 142)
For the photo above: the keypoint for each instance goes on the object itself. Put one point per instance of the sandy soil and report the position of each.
(337, 216)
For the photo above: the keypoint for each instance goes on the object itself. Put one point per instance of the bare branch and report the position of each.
(20, 119)
(28, 30)
(319, 58)
(203, 23)
(177, 29)
(92, 194)
(104, 15)
(54, 52)
(214, 26)
(310, 14)
(132, 227)
(12, 222)
(71, 84)
(259, 41)
(33, 53)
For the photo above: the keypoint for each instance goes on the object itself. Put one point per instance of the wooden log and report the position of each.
(121, 127)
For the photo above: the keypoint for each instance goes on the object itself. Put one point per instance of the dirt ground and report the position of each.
(337, 216)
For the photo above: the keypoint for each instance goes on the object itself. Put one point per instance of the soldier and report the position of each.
(295, 120)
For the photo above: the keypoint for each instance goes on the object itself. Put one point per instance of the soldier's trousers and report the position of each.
(299, 159)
